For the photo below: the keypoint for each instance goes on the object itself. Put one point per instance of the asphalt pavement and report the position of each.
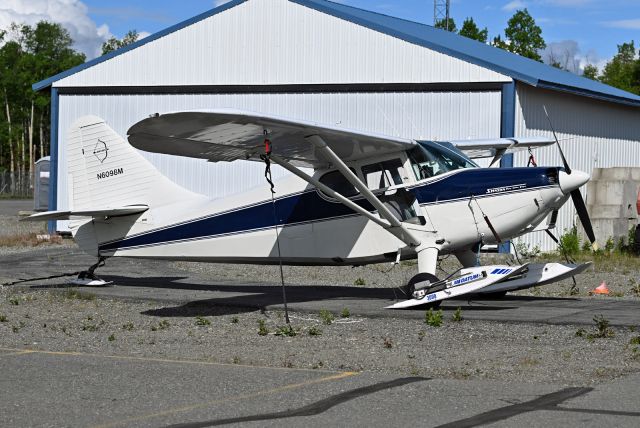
(73, 389)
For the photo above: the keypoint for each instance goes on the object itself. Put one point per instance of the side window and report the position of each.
(336, 181)
(383, 174)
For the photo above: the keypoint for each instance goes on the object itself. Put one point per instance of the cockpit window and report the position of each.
(381, 175)
(430, 159)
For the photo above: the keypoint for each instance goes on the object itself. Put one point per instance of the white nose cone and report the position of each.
(570, 182)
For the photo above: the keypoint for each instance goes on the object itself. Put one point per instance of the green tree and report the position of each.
(32, 54)
(470, 30)
(525, 37)
(590, 71)
(114, 44)
(623, 71)
(447, 24)
(499, 43)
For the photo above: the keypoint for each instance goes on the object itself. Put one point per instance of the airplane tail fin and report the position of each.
(109, 179)
(105, 171)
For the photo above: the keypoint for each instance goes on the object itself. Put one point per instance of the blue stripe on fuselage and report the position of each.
(309, 206)
(482, 182)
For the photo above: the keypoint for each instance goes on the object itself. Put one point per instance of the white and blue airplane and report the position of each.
(353, 198)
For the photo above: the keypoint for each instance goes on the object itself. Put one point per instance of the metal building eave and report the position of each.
(43, 84)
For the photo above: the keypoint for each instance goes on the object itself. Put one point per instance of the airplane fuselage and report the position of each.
(454, 209)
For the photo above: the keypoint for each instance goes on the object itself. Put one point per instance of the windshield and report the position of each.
(430, 159)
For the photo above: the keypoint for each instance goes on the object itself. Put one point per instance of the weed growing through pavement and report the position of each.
(262, 328)
(14, 301)
(89, 327)
(235, 320)
(326, 316)
(359, 281)
(128, 326)
(235, 360)
(457, 315)
(314, 331)
(602, 324)
(602, 329)
(286, 330)
(3, 318)
(202, 321)
(318, 365)
(635, 340)
(16, 328)
(387, 342)
(434, 319)
(421, 335)
(111, 338)
(164, 324)
(345, 313)
(72, 293)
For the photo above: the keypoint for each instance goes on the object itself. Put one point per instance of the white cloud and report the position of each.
(627, 24)
(513, 5)
(71, 14)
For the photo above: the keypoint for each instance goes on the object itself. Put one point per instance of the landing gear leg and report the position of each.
(88, 277)
(427, 263)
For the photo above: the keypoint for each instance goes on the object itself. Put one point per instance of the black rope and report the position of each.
(266, 158)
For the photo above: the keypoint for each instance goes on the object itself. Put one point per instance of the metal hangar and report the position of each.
(331, 63)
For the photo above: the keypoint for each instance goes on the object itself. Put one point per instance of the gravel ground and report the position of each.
(58, 320)
(71, 321)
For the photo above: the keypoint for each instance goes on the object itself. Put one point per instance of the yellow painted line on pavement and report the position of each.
(228, 399)
(155, 360)
(11, 352)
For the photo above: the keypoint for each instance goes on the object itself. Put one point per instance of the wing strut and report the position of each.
(389, 221)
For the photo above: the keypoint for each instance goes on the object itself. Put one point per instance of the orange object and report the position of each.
(601, 289)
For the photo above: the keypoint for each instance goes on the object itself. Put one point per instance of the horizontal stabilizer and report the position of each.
(104, 212)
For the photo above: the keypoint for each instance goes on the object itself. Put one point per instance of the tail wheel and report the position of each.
(411, 287)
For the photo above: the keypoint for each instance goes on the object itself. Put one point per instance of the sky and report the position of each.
(576, 31)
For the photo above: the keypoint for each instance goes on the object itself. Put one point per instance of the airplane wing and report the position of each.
(228, 135)
(105, 212)
(499, 146)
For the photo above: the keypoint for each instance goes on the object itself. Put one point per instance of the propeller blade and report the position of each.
(564, 160)
(583, 215)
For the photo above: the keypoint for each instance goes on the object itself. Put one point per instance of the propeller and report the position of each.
(576, 196)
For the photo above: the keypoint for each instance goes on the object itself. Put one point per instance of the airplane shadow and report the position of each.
(242, 298)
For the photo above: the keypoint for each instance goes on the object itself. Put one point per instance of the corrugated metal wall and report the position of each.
(277, 42)
(436, 115)
(592, 133)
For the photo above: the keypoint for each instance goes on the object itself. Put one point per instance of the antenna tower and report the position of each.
(441, 12)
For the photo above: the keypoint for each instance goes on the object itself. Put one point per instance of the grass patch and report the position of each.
(326, 316)
(128, 326)
(345, 313)
(433, 318)
(359, 281)
(262, 328)
(314, 331)
(286, 330)
(74, 294)
(457, 315)
(200, 321)
(164, 324)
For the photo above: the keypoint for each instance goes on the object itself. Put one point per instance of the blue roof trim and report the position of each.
(48, 82)
(517, 67)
